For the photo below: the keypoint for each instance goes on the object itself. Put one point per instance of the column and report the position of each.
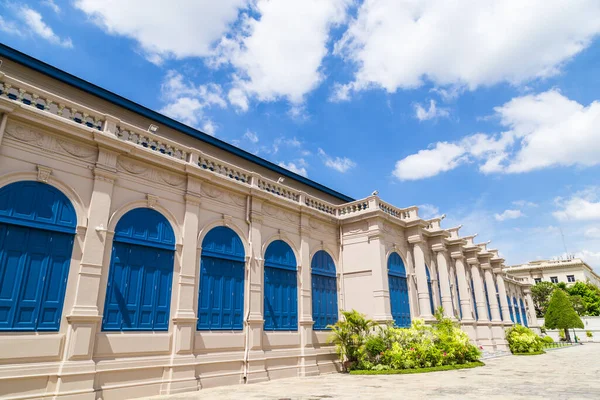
(422, 288)
(182, 377)
(533, 322)
(491, 292)
(479, 294)
(3, 123)
(465, 296)
(256, 362)
(503, 296)
(308, 359)
(442, 265)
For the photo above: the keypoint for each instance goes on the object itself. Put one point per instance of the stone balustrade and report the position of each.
(403, 214)
(26, 94)
(151, 141)
(353, 208)
(278, 189)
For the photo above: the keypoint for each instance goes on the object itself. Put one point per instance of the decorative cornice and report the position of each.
(457, 255)
(413, 239)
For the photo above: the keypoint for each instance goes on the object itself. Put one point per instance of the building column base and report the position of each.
(257, 367)
(468, 326)
(484, 336)
(499, 336)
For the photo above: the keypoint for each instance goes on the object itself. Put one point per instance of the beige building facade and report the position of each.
(568, 271)
(139, 256)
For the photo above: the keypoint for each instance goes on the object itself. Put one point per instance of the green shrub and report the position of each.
(523, 340)
(420, 346)
(349, 335)
(589, 334)
(561, 335)
(548, 339)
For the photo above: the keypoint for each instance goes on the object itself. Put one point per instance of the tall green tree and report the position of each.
(590, 297)
(560, 314)
(540, 293)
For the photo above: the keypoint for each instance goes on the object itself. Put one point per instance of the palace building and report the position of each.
(139, 256)
(569, 271)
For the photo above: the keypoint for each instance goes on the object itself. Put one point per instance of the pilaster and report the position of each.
(308, 358)
(533, 322)
(442, 265)
(498, 335)
(420, 271)
(484, 329)
(503, 297)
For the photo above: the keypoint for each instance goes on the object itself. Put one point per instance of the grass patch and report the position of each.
(535, 353)
(417, 370)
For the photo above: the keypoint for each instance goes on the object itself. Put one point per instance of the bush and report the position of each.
(420, 346)
(548, 339)
(589, 334)
(523, 340)
(349, 335)
(561, 335)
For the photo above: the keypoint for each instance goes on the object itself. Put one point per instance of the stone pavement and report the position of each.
(569, 373)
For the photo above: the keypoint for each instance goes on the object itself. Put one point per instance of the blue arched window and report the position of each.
(324, 290)
(517, 312)
(37, 228)
(281, 288)
(473, 299)
(487, 300)
(221, 290)
(399, 300)
(523, 313)
(458, 298)
(138, 293)
(430, 289)
(510, 309)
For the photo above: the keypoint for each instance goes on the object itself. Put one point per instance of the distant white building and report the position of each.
(568, 271)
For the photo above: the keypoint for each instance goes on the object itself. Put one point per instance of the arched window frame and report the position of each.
(139, 285)
(398, 288)
(37, 229)
(221, 286)
(280, 287)
(324, 290)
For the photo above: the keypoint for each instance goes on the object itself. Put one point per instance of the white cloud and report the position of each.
(426, 163)
(298, 167)
(51, 4)
(186, 29)
(433, 112)
(542, 130)
(251, 136)
(592, 233)
(589, 256)
(340, 164)
(37, 26)
(471, 43)
(9, 27)
(187, 102)
(524, 203)
(582, 206)
(428, 211)
(509, 214)
(278, 53)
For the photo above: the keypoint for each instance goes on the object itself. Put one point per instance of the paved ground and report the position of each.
(568, 373)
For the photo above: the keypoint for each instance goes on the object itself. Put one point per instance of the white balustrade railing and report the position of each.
(150, 141)
(277, 189)
(320, 205)
(219, 167)
(404, 214)
(26, 94)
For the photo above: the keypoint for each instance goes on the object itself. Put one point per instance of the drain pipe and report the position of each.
(247, 298)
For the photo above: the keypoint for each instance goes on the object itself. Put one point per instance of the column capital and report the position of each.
(526, 291)
(192, 199)
(486, 266)
(101, 174)
(497, 271)
(438, 247)
(457, 255)
(414, 239)
(473, 262)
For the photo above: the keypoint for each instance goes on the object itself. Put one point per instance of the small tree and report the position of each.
(541, 292)
(349, 335)
(561, 315)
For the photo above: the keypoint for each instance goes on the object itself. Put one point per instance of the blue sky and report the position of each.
(486, 111)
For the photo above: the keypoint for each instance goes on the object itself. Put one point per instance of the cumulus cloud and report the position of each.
(340, 164)
(592, 233)
(524, 203)
(52, 5)
(278, 53)
(542, 130)
(189, 28)
(581, 206)
(37, 26)
(298, 167)
(432, 112)
(427, 163)
(469, 43)
(251, 136)
(187, 102)
(509, 214)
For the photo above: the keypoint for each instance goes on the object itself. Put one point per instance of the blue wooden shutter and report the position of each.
(138, 293)
(474, 301)
(221, 296)
(499, 305)
(324, 291)
(281, 288)
(37, 223)
(523, 313)
(430, 290)
(487, 301)
(510, 309)
(398, 286)
(517, 312)
(458, 297)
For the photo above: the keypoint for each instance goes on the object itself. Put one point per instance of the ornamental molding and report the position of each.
(438, 247)
(414, 239)
(130, 167)
(43, 173)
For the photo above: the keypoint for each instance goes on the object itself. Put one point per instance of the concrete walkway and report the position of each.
(569, 373)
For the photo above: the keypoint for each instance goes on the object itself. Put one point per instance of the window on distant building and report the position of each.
(570, 278)
(554, 279)
(537, 280)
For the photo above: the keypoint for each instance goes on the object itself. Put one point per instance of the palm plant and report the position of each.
(348, 335)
